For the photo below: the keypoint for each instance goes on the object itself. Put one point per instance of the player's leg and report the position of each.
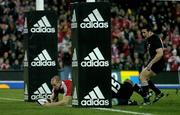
(125, 94)
(155, 69)
(144, 77)
(138, 90)
(119, 101)
(158, 93)
(153, 87)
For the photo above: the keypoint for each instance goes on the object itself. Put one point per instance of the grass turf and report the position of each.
(168, 105)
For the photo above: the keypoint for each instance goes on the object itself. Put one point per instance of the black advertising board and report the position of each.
(91, 62)
(40, 53)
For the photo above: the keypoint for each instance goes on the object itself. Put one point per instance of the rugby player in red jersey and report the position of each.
(60, 87)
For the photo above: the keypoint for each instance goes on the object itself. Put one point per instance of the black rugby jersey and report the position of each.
(122, 91)
(154, 42)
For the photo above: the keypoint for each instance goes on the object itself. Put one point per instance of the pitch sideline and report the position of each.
(10, 99)
(123, 111)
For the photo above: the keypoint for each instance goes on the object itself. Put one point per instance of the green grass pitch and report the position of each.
(11, 103)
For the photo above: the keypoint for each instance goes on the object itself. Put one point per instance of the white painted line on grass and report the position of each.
(123, 111)
(10, 99)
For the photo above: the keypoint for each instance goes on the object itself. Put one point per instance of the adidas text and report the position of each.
(95, 63)
(96, 24)
(95, 102)
(74, 63)
(74, 102)
(43, 30)
(40, 96)
(43, 63)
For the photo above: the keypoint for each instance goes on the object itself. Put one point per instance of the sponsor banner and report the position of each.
(43, 92)
(12, 84)
(43, 59)
(40, 62)
(73, 20)
(94, 20)
(42, 26)
(95, 59)
(74, 59)
(95, 98)
(75, 97)
(90, 23)
(132, 75)
(42, 39)
(121, 76)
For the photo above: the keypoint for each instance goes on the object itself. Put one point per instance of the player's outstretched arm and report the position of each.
(65, 101)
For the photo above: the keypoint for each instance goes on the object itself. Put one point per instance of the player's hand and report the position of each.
(42, 101)
(47, 104)
(49, 100)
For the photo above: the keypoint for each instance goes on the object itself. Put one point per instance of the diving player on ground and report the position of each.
(64, 87)
(122, 92)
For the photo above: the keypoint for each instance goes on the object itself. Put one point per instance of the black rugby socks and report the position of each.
(153, 87)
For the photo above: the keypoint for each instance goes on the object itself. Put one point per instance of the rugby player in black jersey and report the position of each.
(155, 64)
(122, 92)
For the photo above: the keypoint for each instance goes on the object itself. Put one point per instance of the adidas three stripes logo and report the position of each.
(42, 92)
(95, 59)
(43, 56)
(95, 94)
(42, 26)
(93, 20)
(43, 59)
(95, 55)
(94, 16)
(94, 98)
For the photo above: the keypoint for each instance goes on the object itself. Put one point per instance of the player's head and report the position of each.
(145, 30)
(56, 82)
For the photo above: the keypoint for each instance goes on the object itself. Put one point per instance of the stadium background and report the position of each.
(127, 46)
(11, 42)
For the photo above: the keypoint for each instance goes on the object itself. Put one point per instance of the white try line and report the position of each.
(123, 111)
(10, 99)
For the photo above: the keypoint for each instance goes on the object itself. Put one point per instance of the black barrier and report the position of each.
(166, 78)
(40, 63)
(91, 62)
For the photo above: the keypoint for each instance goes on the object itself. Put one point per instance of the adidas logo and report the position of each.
(75, 93)
(73, 21)
(25, 59)
(94, 20)
(25, 30)
(42, 26)
(95, 59)
(42, 92)
(95, 97)
(43, 59)
(75, 98)
(25, 91)
(74, 59)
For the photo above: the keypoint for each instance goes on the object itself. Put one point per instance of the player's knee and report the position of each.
(144, 75)
(144, 83)
(143, 79)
